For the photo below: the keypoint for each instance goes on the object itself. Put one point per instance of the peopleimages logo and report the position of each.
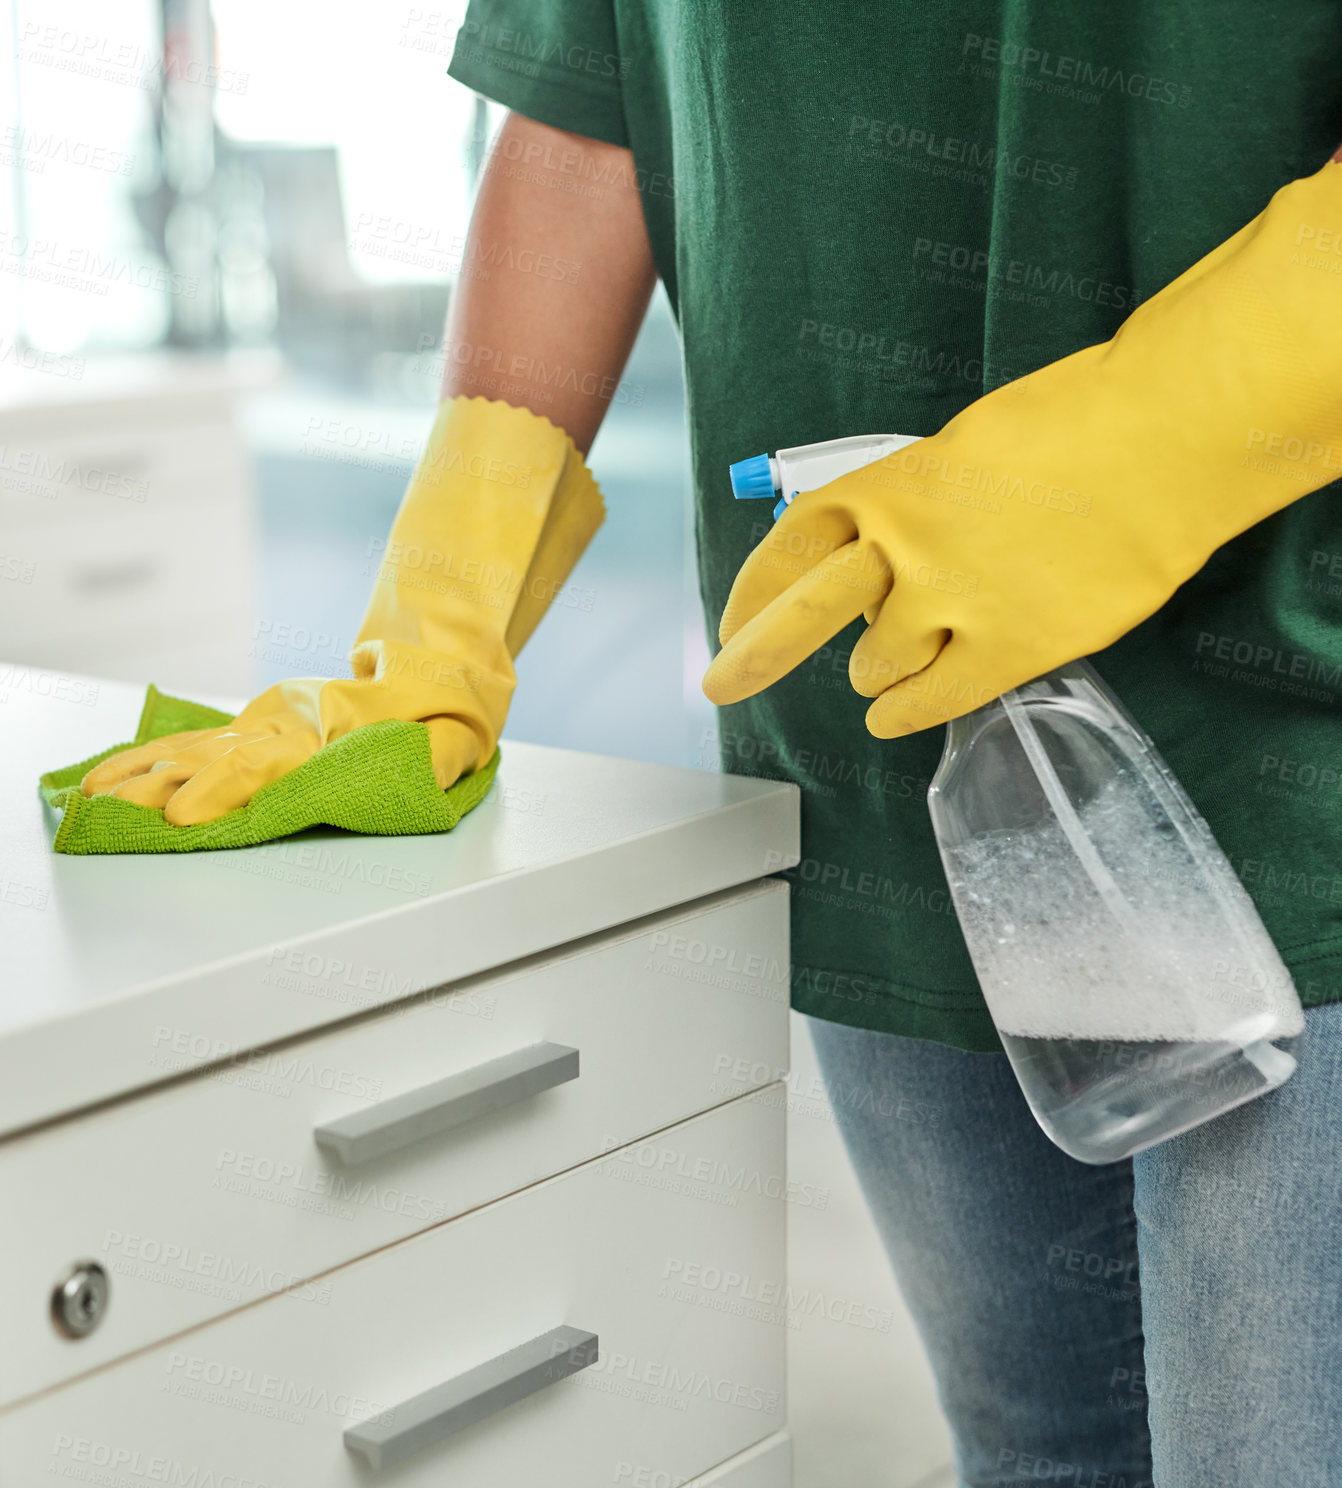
(1056, 71)
(95, 1461)
(542, 51)
(994, 273)
(929, 475)
(1265, 447)
(1296, 665)
(981, 157)
(824, 341)
(76, 266)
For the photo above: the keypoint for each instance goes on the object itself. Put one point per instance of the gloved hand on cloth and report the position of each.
(497, 512)
(1072, 502)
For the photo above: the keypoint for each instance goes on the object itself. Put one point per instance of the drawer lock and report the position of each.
(80, 1299)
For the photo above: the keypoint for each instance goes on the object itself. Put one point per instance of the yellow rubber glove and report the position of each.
(499, 509)
(1055, 513)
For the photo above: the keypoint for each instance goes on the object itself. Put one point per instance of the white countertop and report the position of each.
(241, 948)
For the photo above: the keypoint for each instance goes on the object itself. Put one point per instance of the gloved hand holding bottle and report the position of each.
(1073, 501)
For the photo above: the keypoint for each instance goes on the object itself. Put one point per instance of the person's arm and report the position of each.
(552, 291)
(555, 279)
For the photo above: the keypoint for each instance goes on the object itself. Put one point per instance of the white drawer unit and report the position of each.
(351, 1160)
(151, 465)
(128, 521)
(127, 588)
(284, 1163)
(298, 1391)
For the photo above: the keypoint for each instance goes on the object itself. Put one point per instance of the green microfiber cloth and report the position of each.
(378, 779)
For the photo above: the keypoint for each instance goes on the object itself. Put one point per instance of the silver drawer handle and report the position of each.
(132, 573)
(480, 1392)
(377, 1130)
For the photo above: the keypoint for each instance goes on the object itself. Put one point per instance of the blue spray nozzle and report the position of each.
(752, 478)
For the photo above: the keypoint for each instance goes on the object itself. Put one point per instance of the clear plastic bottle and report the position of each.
(1131, 980)
(1134, 987)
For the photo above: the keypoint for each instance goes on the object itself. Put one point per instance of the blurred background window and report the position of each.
(231, 231)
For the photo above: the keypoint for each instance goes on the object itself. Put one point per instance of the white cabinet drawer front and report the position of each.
(206, 1194)
(679, 1383)
(118, 474)
(78, 580)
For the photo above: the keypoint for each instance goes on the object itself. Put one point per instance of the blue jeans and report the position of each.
(1173, 1319)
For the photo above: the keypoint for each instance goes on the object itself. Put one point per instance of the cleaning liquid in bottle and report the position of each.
(1133, 985)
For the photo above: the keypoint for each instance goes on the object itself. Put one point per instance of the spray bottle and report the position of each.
(1133, 985)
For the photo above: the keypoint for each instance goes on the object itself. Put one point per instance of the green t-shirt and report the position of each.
(867, 215)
